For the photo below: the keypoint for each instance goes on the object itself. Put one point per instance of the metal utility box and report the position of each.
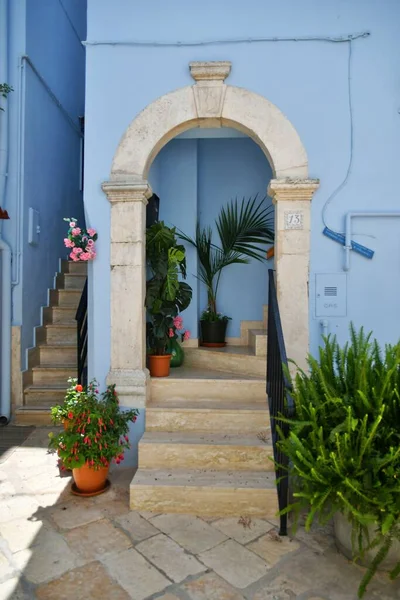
(330, 294)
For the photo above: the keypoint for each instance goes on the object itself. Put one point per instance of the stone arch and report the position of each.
(207, 103)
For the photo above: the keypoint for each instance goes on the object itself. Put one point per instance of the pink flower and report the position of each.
(68, 243)
(72, 224)
(85, 256)
(74, 257)
(77, 251)
(186, 335)
(171, 333)
(76, 231)
(91, 232)
(90, 243)
(178, 323)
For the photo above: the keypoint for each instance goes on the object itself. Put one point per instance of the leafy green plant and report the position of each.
(5, 89)
(96, 430)
(166, 294)
(241, 229)
(344, 444)
(62, 412)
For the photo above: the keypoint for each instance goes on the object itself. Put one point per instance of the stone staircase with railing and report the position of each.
(53, 359)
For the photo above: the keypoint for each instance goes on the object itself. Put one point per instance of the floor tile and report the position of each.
(190, 532)
(6, 569)
(210, 587)
(97, 540)
(170, 558)
(69, 516)
(91, 582)
(20, 533)
(237, 565)
(273, 549)
(135, 574)
(241, 533)
(138, 528)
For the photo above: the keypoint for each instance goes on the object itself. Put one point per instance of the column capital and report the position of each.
(292, 189)
(127, 191)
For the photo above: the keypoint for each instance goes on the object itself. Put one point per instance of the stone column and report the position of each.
(292, 199)
(128, 288)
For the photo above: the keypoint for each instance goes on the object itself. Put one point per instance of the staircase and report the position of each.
(207, 445)
(53, 359)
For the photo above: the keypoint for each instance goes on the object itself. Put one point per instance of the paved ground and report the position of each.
(54, 546)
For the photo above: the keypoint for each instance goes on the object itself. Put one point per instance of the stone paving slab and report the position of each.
(55, 546)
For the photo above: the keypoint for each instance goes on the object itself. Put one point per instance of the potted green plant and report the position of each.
(242, 228)
(344, 449)
(166, 294)
(96, 434)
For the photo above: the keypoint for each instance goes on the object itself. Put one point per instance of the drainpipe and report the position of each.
(5, 322)
(353, 215)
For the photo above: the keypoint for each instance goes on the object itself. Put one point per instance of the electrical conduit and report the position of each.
(361, 214)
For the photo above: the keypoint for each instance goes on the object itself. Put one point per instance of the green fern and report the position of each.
(344, 443)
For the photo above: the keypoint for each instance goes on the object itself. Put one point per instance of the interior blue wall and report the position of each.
(51, 177)
(307, 80)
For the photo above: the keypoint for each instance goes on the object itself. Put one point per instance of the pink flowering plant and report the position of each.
(176, 331)
(96, 431)
(81, 242)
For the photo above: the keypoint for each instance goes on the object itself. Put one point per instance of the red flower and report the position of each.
(134, 419)
(78, 388)
(70, 415)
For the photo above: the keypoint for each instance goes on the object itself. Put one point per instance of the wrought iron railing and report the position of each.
(279, 399)
(82, 333)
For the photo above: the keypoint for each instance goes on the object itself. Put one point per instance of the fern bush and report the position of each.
(344, 444)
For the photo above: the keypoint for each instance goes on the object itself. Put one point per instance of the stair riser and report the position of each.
(65, 317)
(208, 389)
(54, 376)
(232, 363)
(58, 356)
(72, 267)
(259, 344)
(37, 419)
(62, 335)
(68, 298)
(45, 397)
(207, 456)
(245, 327)
(228, 502)
(213, 421)
(70, 281)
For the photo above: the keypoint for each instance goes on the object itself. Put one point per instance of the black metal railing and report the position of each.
(279, 399)
(82, 333)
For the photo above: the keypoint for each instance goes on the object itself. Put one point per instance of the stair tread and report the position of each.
(205, 478)
(69, 325)
(208, 406)
(56, 345)
(35, 408)
(46, 388)
(227, 350)
(199, 374)
(51, 366)
(213, 439)
(258, 331)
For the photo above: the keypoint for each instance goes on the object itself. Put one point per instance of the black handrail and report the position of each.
(82, 332)
(279, 398)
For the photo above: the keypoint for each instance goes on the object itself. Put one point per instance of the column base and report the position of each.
(132, 386)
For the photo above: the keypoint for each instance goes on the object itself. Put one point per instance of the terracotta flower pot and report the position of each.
(159, 365)
(88, 479)
(65, 424)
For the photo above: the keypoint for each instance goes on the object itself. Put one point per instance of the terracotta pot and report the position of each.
(65, 425)
(88, 479)
(159, 365)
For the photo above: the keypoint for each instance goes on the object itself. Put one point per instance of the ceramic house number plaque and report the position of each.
(293, 220)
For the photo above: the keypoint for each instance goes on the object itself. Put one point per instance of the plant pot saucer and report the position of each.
(213, 344)
(76, 492)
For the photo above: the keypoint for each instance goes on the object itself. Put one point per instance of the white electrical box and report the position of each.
(330, 294)
(33, 227)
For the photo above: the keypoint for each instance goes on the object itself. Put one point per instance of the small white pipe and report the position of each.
(5, 384)
(361, 214)
(4, 114)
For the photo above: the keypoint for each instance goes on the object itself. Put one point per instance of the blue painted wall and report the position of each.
(308, 81)
(49, 33)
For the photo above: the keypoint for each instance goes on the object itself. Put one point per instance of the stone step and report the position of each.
(53, 374)
(44, 396)
(202, 492)
(37, 416)
(65, 298)
(70, 281)
(207, 416)
(61, 334)
(234, 359)
(214, 451)
(258, 341)
(78, 268)
(187, 383)
(59, 315)
(58, 354)
(245, 327)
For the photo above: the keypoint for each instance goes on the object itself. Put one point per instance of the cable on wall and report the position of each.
(78, 37)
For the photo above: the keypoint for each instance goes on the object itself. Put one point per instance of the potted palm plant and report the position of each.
(166, 294)
(242, 228)
(95, 434)
(344, 449)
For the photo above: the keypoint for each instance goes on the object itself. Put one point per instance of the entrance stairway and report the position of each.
(206, 449)
(53, 359)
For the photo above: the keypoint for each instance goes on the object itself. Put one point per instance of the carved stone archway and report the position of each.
(207, 103)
